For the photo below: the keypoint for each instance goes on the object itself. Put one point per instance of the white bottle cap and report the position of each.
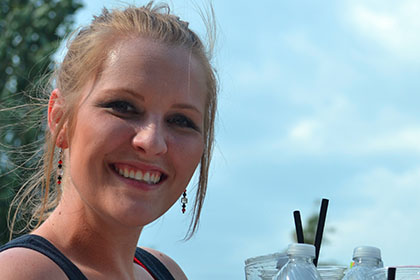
(367, 252)
(300, 249)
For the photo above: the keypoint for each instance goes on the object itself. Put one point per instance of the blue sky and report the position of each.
(318, 99)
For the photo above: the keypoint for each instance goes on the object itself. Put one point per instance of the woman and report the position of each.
(130, 119)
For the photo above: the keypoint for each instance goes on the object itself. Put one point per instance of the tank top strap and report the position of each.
(43, 246)
(154, 266)
(35, 242)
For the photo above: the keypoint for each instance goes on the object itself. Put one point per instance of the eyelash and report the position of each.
(125, 108)
(182, 121)
(120, 107)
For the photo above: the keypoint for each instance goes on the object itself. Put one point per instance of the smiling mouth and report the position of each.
(148, 177)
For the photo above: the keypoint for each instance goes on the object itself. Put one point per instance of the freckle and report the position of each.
(59, 213)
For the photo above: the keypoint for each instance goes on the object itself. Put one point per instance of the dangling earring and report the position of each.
(60, 167)
(184, 201)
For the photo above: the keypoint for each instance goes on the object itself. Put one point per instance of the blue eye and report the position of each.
(182, 121)
(120, 107)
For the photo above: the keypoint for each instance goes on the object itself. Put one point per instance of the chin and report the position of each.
(138, 218)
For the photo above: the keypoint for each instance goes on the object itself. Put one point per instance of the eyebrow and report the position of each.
(126, 90)
(186, 106)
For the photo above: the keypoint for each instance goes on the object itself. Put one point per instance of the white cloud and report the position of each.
(304, 130)
(293, 60)
(382, 25)
(339, 128)
(404, 139)
(385, 217)
(324, 131)
(391, 24)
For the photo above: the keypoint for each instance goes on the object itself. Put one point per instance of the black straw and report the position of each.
(320, 228)
(298, 225)
(391, 273)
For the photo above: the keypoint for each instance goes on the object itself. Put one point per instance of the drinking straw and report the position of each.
(298, 225)
(320, 228)
(391, 273)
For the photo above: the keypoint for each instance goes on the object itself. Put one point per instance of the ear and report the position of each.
(55, 113)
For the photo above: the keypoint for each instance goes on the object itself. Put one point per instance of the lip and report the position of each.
(144, 168)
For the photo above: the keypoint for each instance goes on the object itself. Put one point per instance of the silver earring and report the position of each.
(60, 167)
(184, 201)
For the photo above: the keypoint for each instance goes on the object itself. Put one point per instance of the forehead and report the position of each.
(141, 61)
(148, 52)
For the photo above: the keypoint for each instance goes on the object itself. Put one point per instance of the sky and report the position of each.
(318, 99)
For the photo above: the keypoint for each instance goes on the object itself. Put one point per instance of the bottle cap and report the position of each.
(367, 252)
(300, 249)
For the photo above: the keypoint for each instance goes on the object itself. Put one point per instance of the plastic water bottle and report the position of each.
(366, 259)
(300, 265)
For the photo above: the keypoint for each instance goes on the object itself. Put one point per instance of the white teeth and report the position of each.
(139, 175)
(146, 177)
(150, 178)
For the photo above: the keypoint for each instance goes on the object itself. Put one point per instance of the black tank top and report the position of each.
(43, 246)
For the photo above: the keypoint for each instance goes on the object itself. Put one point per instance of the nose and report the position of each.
(150, 139)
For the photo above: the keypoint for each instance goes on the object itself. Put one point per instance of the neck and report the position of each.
(93, 244)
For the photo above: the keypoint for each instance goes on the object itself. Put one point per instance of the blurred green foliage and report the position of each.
(30, 33)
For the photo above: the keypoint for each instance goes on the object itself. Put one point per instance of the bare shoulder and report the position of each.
(170, 264)
(22, 263)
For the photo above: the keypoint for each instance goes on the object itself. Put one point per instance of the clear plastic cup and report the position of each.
(268, 274)
(333, 272)
(258, 267)
(402, 273)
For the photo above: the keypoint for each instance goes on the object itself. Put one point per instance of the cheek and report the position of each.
(94, 138)
(103, 132)
(187, 153)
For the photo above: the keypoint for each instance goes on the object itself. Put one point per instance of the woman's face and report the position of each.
(138, 133)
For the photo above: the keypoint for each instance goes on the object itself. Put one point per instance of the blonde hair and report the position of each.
(87, 52)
